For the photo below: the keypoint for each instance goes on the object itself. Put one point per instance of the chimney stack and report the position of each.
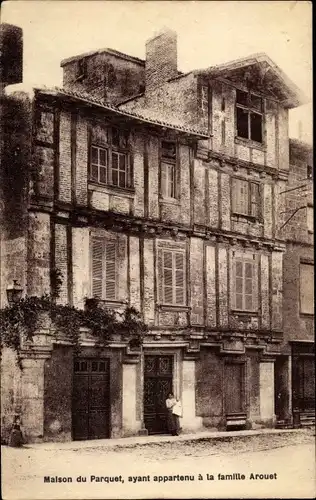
(161, 59)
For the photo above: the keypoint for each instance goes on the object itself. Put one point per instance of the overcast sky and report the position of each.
(209, 32)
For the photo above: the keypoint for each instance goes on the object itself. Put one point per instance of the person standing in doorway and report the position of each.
(173, 412)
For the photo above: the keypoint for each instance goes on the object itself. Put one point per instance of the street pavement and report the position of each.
(257, 465)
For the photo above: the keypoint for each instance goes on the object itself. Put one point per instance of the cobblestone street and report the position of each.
(283, 463)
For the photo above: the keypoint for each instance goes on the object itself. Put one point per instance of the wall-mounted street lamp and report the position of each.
(14, 293)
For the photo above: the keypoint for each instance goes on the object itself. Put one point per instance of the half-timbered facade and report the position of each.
(169, 201)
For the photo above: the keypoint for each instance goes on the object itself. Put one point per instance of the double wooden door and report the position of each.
(158, 373)
(91, 399)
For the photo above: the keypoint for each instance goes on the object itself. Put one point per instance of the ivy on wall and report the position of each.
(27, 316)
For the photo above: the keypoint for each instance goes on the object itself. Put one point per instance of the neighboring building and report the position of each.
(295, 383)
(170, 201)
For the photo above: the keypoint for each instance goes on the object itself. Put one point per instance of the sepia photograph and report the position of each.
(156, 250)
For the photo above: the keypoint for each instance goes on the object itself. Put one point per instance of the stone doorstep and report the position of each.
(134, 441)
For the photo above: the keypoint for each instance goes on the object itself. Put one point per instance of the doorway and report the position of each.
(158, 383)
(91, 399)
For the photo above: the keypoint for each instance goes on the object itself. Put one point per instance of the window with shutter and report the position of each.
(104, 264)
(246, 198)
(244, 284)
(172, 277)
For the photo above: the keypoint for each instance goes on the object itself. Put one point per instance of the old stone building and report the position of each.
(295, 380)
(162, 190)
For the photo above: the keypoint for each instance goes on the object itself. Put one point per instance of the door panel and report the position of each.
(157, 386)
(91, 402)
(234, 388)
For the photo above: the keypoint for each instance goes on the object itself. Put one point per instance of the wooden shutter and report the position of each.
(248, 285)
(240, 196)
(167, 277)
(97, 267)
(160, 275)
(110, 270)
(255, 199)
(179, 278)
(239, 283)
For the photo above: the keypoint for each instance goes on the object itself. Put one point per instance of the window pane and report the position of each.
(94, 172)
(114, 177)
(114, 161)
(238, 301)
(248, 286)
(102, 157)
(240, 197)
(94, 155)
(122, 179)
(122, 162)
(239, 285)
(248, 270)
(239, 269)
(248, 302)
(242, 97)
(256, 127)
(255, 102)
(242, 123)
(103, 175)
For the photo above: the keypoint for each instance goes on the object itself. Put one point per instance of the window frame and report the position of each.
(161, 277)
(168, 161)
(247, 108)
(244, 259)
(111, 149)
(251, 186)
(105, 240)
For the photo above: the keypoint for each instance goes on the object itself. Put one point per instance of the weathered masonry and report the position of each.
(170, 201)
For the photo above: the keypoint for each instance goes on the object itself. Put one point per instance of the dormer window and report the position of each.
(249, 116)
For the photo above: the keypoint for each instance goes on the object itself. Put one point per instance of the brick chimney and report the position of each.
(161, 59)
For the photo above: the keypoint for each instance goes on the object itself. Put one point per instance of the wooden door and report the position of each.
(91, 401)
(157, 385)
(234, 391)
(303, 383)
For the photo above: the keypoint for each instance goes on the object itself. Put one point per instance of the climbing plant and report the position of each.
(26, 317)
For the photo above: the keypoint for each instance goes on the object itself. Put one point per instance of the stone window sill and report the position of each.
(172, 308)
(169, 201)
(105, 302)
(113, 190)
(237, 312)
(250, 143)
(245, 218)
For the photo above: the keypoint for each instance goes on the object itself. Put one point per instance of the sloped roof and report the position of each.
(295, 96)
(88, 99)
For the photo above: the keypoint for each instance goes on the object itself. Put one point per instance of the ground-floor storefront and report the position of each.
(117, 391)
